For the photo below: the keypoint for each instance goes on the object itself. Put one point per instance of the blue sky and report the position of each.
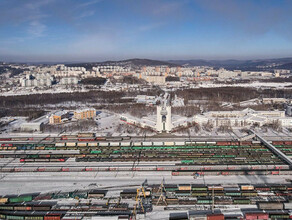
(97, 30)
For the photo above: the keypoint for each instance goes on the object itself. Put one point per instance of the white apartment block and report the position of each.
(36, 80)
(107, 69)
(69, 81)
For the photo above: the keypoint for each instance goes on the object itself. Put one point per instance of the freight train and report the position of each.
(273, 201)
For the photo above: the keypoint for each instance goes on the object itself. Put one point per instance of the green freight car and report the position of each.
(33, 217)
(14, 217)
(21, 199)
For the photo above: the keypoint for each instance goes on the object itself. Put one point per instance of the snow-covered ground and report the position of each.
(53, 90)
(177, 102)
(255, 84)
(107, 123)
(12, 183)
(12, 123)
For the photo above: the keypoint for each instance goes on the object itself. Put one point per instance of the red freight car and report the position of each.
(5, 139)
(52, 217)
(278, 142)
(215, 217)
(251, 216)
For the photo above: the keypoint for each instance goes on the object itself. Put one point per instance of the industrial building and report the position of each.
(246, 117)
(149, 100)
(32, 126)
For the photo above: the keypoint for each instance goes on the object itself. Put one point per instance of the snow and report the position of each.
(45, 182)
(53, 90)
(13, 123)
(177, 102)
(256, 84)
(107, 123)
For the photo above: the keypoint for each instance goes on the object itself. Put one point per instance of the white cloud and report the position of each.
(36, 28)
(150, 27)
(86, 14)
(88, 3)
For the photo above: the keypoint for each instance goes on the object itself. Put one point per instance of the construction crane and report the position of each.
(117, 203)
(162, 192)
(139, 199)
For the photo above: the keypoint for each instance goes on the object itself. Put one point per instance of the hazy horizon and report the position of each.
(116, 60)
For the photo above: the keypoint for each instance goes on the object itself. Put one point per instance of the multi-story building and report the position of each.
(157, 80)
(69, 81)
(243, 118)
(55, 119)
(37, 80)
(282, 71)
(109, 68)
(84, 113)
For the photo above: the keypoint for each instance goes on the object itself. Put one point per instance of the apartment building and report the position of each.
(84, 113)
(55, 119)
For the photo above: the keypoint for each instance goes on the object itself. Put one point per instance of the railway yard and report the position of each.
(87, 177)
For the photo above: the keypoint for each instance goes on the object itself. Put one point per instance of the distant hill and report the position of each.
(231, 64)
(255, 64)
(287, 66)
(128, 63)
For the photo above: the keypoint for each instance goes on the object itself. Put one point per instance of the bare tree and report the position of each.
(208, 126)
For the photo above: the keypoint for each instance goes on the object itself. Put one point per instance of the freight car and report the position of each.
(97, 193)
(86, 135)
(5, 139)
(28, 160)
(271, 205)
(21, 198)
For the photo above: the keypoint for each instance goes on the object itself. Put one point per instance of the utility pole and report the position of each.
(213, 200)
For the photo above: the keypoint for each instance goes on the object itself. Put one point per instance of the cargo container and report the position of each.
(92, 144)
(251, 216)
(20, 199)
(52, 217)
(215, 217)
(215, 188)
(271, 205)
(198, 217)
(103, 144)
(184, 187)
(3, 200)
(87, 134)
(97, 193)
(125, 144)
(70, 144)
(288, 205)
(199, 187)
(247, 187)
(14, 217)
(241, 201)
(33, 217)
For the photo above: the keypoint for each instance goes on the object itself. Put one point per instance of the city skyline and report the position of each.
(98, 30)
